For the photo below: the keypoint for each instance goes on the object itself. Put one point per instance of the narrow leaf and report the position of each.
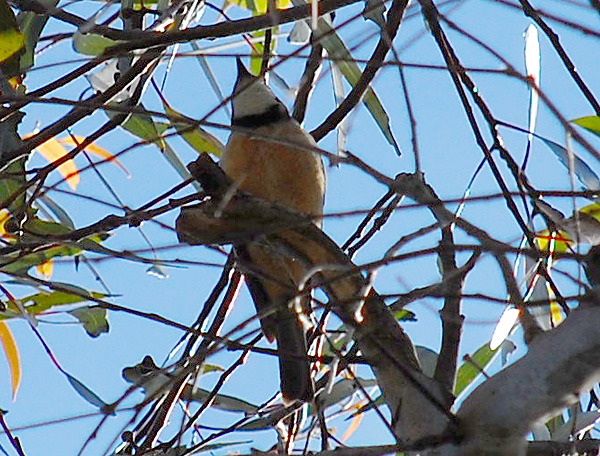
(470, 369)
(590, 123)
(53, 150)
(338, 52)
(259, 6)
(533, 70)
(582, 170)
(85, 392)
(144, 127)
(199, 139)
(12, 356)
(356, 420)
(96, 150)
(43, 302)
(339, 93)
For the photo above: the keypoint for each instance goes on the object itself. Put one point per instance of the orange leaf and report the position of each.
(45, 269)
(96, 150)
(4, 234)
(53, 150)
(12, 356)
(353, 426)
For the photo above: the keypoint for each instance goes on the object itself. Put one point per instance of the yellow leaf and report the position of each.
(259, 6)
(53, 150)
(592, 210)
(12, 42)
(5, 216)
(12, 356)
(45, 269)
(96, 150)
(556, 242)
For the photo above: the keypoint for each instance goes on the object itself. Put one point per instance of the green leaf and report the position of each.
(471, 369)
(338, 52)
(195, 136)
(590, 123)
(144, 127)
(15, 263)
(258, 49)
(11, 40)
(93, 318)
(405, 315)
(42, 302)
(31, 25)
(91, 43)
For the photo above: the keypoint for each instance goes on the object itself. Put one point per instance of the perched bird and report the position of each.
(272, 157)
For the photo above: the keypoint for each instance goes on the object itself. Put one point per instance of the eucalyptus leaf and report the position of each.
(42, 302)
(86, 393)
(93, 318)
(582, 170)
(339, 53)
(31, 26)
(471, 369)
(590, 123)
(91, 43)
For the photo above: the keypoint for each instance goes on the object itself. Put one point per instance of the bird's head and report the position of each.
(253, 100)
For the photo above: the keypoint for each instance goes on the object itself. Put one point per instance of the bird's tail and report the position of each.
(294, 367)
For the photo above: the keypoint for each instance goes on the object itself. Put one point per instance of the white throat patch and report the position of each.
(252, 100)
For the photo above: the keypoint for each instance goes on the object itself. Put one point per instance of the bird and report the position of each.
(270, 156)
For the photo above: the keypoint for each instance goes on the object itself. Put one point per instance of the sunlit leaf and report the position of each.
(4, 218)
(405, 315)
(560, 241)
(471, 368)
(91, 43)
(45, 269)
(258, 48)
(590, 123)
(158, 270)
(144, 127)
(96, 150)
(11, 42)
(11, 39)
(93, 318)
(53, 150)
(356, 420)
(200, 140)
(42, 302)
(12, 356)
(259, 6)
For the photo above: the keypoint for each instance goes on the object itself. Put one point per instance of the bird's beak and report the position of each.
(242, 71)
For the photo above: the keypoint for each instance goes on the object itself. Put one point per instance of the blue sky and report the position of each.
(449, 156)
